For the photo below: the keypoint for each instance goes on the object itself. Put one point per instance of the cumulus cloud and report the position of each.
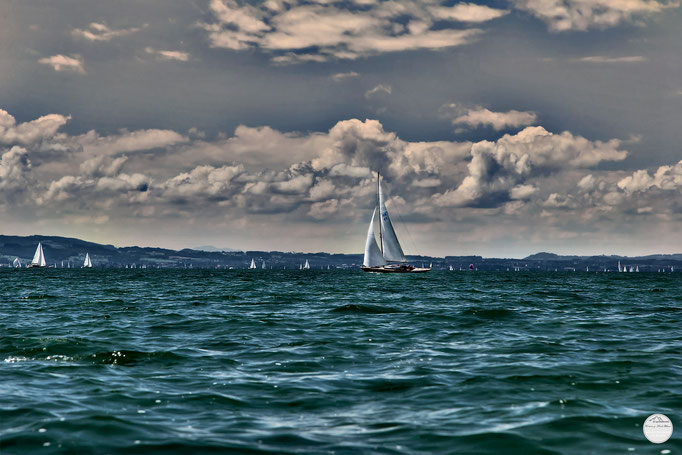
(327, 177)
(29, 132)
(62, 62)
(667, 178)
(299, 31)
(497, 168)
(97, 31)
(567, 15)
(14, 168)
(168, 55)
(480, 116)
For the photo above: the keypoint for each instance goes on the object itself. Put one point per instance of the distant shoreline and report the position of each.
(72, 251)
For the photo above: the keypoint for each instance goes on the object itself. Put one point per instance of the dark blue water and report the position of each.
(175, 361)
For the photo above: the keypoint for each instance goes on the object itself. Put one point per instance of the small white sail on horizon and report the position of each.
(262, 266)
(306, 266)
(87, 263)
(39, 257)
(451, 268)
(620, 269)
(16, 263)
(253, 264)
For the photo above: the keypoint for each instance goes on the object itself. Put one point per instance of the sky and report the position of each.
(501, 128)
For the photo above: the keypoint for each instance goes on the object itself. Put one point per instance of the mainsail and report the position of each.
(262, 266)
(17, 263)
(390, 246)
(307, 265)
(39, 257)
(253, 264)
(373, 256)
(87, 263)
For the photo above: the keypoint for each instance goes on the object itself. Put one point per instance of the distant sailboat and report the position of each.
(632, 269)
(16, 263)
(253, 264)
(451, 269)
(620, 269)
(38, 257)
(637, 269)
(87, 263)
(390, 258)
(262, 266)
(306, 266)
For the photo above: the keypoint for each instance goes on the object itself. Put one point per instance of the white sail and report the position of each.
(262, 266)
(87, 263)
(451, 269)
(39, 257)
(390, 245)
(306, 266)
(373, 256)
(17, 263)
(253, 264)
(620, 269)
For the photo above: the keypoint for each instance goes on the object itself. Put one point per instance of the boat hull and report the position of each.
(402, 269)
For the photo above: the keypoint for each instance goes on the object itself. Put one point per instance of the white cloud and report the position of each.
(479, 116)
(14, 168)
(338, 77)
(29, 132)
(97, 31)
(496, 168)
(467, 12)
(61, 62)
(128, 141)
(566, 15)
(168, 55)
(299, 31)
(667, 178)
(381, 88)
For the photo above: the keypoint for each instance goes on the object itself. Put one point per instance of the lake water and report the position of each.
(236, 361)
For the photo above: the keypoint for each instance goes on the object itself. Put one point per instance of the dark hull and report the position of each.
(407, 269)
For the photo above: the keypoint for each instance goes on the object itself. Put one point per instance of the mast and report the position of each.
(381, 221)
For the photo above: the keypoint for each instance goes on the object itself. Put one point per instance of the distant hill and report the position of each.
(65, 250)
(212, 249)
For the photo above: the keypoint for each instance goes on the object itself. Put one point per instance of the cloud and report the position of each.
(338, 77)
(467, 12)
(603, 59)
(479, 116)
(265, 180)
(61, 62)
(381, 88)
(128, 141)
(300, 31)
(569, 15)
(100, 32)
(168, 55)
(668, 178)
(29, 132)
(499, 170)
(14, 168)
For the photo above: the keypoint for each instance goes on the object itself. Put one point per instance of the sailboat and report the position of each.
(306, 266)
(451, 269)
(262, 266)
(38, 257)
(390, 258)
(253, 264)
(16, 263)
(87, 263)
(620, 269)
